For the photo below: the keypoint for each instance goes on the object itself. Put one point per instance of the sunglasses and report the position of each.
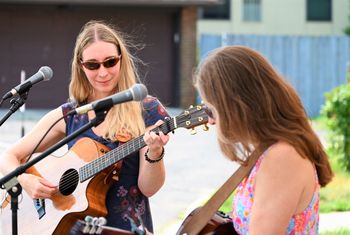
(108, 63)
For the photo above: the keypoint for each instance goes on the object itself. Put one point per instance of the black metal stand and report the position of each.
(14, 189)
(16, 102)
(15, 192)
(10, 180)
(12, 186)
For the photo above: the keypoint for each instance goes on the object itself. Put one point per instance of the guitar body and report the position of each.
(88, 198)
(219, 224)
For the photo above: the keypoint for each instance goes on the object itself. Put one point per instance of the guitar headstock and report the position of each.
(189, 118)
(192, 117)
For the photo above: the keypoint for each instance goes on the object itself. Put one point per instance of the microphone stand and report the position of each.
(16, 102)
(12, 186)
(10, 180)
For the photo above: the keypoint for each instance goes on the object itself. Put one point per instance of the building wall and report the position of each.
(312, 65)
(279, 17)
(188, 51)
(38, 35)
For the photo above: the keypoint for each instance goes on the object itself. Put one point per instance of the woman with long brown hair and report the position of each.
(252, 105)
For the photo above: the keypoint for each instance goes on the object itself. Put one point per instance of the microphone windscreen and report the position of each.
(47, 71)
(139, 92)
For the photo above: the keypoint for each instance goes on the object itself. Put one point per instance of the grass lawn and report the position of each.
(337, 232)
(336, 195)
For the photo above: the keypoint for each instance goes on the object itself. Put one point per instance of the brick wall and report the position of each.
(188, 47)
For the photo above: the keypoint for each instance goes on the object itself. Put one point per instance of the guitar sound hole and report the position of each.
(69, 182)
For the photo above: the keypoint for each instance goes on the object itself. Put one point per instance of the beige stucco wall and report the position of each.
(280, 17)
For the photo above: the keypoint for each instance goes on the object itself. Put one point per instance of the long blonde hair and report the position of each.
(124, 118)
(255, 104)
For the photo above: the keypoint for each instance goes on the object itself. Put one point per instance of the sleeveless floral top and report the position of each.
(305, 223)
(124, 199)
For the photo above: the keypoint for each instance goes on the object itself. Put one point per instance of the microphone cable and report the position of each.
(45, 134)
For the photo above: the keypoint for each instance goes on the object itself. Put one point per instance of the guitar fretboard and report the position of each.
(117, 154)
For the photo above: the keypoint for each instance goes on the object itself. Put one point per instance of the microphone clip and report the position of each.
(18, 101)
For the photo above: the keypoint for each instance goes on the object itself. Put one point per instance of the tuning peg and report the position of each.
(101, 221)
(94, 225)
(193, 131)
(205, 127)
(88, 222)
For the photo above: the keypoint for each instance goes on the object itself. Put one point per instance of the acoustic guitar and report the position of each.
(83, 175)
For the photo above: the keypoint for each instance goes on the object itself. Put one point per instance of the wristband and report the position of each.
(155, 160)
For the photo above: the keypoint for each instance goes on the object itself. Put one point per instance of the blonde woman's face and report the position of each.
(101, 65)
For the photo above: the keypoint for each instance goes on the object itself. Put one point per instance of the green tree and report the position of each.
(337, 113)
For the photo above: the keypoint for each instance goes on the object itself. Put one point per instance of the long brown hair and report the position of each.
(255, 104)
(118, 118)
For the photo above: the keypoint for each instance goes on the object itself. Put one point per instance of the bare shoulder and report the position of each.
(284, 154)
(283, 161)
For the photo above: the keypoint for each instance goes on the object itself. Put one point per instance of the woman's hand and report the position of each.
(155, 142)
(37, 187)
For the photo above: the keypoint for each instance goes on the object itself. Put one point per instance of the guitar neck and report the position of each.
(190, 118)
(115, 155)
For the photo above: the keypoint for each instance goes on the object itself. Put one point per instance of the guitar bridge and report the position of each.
(39, 205)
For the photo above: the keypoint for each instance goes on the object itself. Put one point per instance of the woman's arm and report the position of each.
(152, 175)
(283, 187)
(18, 153)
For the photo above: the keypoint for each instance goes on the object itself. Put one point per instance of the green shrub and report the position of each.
(337, 113)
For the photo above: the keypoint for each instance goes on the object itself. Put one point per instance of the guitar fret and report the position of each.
(110, 158)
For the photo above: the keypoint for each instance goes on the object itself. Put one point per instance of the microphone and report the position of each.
(44, 74)
(137, 93)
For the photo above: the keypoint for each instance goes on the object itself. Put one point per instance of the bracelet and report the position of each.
(155, 160)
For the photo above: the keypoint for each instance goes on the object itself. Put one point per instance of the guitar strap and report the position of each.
(200, 219)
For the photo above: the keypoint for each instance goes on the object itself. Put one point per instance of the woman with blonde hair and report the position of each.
(102, 66)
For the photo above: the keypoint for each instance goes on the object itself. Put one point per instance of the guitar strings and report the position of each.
(91, 168)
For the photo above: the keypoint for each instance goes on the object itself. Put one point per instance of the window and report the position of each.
(319, 10)
(252, 10)
(219, 12)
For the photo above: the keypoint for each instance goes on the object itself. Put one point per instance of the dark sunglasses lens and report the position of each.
(110, 62)
(96, 65)
(91, 65)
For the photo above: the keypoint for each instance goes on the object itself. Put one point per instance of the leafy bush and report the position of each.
(337, 112)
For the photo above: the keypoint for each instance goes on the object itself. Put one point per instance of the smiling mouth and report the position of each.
(103, 82)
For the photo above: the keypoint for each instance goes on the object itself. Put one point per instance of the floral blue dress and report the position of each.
(124, 199)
